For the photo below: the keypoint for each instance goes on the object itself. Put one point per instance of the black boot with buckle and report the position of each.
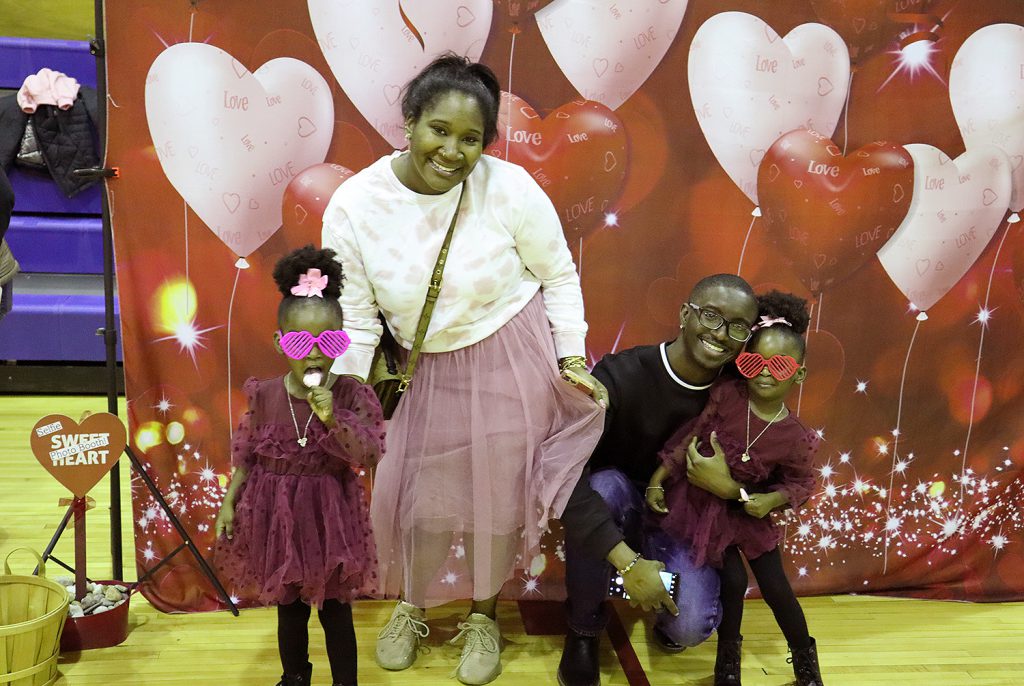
(727, 664)
(303, 679)
(805, 665)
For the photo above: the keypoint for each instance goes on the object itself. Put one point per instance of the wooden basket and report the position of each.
(32, 614)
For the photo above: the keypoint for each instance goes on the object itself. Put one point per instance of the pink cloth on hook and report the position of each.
(48, 87)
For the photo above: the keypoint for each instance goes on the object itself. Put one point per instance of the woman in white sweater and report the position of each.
(488, 441)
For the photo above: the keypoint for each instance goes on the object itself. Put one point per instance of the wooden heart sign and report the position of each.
(828, 214)
(78, 455)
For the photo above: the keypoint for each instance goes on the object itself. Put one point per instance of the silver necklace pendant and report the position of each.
(745, 457)
(301, 440)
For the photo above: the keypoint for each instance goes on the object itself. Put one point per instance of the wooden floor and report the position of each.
(863, 641)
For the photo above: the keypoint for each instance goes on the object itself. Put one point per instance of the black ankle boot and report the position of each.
(580, 661)
(805, 665)
(727, 664)
(303, 679)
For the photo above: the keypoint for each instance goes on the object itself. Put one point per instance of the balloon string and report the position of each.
(188, 282)
(508, 114)
(807, 340)
(231, 306)
(191, 22)
(896, 437)
(579, 262)
(846, 114)
(817, 322)
(743, 250)
(977, 363)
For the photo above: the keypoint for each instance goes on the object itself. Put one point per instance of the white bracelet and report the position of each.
(622, 572)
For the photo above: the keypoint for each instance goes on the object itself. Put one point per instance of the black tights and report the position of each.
(293, 638)
(775, 590)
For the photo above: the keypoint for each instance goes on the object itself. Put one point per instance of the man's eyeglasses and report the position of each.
(709, 319)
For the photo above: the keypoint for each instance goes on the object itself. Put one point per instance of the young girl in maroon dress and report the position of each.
(768, 450)
(294, 519)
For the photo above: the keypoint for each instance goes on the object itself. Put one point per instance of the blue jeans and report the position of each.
(587, 579)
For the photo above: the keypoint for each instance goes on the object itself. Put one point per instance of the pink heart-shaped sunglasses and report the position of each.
(297, 344)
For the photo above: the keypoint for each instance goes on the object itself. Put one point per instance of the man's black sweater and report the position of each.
(647, 403)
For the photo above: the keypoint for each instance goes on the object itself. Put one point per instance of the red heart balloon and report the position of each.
(869, 26)
(578, 155)
(307, 195)
(827, 213)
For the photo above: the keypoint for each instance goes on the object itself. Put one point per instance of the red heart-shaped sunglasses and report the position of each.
(779, 366)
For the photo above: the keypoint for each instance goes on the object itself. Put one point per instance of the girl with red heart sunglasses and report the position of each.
(771, 452)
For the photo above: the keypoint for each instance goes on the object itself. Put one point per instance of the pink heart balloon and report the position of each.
(230, 140)
(749, 86)
(957, 207)
(374, 47)
(607, 48)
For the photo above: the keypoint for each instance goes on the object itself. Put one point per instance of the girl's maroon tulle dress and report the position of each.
(301, 528)
(781, 459)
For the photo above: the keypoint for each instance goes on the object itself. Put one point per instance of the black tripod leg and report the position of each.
(56, 537)
(185, 537)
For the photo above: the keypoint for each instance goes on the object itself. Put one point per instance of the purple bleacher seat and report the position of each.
(57, 245)
(54, 328)
(20, 57)
(36, 193)
(51, 233)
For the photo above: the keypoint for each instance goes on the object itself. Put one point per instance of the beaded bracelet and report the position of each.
(571, 361)
(622, 572)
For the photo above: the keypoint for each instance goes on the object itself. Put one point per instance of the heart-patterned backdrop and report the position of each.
(858, 153)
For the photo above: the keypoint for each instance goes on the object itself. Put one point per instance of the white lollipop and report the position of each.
(312, 378)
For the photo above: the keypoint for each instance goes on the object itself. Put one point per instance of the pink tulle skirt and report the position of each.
(484, 449)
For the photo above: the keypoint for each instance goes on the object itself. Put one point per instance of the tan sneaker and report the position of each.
(399, 640)
(481, 655)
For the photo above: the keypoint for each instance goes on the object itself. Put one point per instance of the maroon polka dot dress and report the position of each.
(301, 528)
(781, 459)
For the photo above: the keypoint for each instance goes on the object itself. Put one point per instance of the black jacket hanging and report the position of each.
(66, 138)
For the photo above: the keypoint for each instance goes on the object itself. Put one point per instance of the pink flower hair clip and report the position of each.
(767, 322)
(311, 283)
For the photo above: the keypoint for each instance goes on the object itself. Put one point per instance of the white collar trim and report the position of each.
(675, 377)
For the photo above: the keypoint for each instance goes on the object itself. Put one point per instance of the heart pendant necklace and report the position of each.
(746, 453)
(301, 440)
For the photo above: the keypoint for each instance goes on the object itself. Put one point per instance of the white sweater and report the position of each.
(508, 242)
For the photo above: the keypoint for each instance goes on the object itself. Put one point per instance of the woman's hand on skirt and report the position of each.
(586, 382)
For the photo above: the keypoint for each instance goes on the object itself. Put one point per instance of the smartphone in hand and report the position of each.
(670, 579)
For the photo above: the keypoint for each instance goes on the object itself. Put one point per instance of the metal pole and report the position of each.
(109, 330)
